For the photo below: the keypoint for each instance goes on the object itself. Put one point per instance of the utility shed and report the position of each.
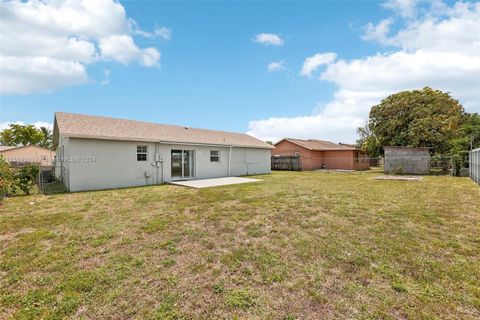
(407, 160)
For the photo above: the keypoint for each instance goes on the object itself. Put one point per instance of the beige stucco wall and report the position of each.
(91, 164)
(30, 154)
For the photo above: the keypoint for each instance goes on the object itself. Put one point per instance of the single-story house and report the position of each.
(31, 154)
(96, 152)
(407, 160)
(318, 154)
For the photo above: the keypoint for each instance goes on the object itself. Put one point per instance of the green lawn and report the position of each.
(295, 246)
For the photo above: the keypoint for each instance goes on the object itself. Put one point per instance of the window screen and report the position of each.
(214, 156)
(142, 153)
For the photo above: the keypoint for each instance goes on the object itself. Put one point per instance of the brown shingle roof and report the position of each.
(319, 145)
(96, 127)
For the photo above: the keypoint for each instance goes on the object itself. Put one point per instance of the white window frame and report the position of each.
(218, 155)
(142, 153)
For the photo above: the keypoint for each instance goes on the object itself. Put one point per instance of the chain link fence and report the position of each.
(50, 180)
(474, 165)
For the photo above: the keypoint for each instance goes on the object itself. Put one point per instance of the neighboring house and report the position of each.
(18, 156)
(318, 154)
(407, 160)
(101, 153)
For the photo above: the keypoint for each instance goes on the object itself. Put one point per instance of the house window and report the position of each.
(142, 153)
(214, 156)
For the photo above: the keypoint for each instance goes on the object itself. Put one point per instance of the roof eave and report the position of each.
(102, 137)
(294, 142)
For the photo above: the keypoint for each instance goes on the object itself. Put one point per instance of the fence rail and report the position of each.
(291, 163)
(474, 165)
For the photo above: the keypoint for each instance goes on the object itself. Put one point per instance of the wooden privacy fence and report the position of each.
(291, 163)
(474, 165)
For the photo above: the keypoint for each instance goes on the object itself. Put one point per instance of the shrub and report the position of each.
(6, 177)
(441, 161)
(457, 162)
(25, 178)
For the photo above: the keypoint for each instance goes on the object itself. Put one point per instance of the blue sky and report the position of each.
(211, 74)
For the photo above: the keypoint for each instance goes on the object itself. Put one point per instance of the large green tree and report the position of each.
(417, 118)
(468, 138)
(23, 135)
(47, 138)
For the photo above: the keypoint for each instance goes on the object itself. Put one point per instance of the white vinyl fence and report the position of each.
(475, 165)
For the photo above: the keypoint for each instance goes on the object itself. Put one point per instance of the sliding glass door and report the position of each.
(183, 164)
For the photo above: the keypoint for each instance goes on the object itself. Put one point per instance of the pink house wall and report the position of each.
(335, 159)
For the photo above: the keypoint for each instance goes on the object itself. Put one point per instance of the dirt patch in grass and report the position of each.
(298, 245)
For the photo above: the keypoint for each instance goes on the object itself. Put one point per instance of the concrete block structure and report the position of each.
(407, 160)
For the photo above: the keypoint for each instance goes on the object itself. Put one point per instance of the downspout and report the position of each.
(229, 160)
(158, 161)
(62, 160)
(156, 164)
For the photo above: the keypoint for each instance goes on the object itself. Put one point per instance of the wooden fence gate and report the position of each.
(291, 163)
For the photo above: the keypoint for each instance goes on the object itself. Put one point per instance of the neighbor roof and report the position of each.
(11, 148)
(319, 145)
(96, 127)
(3, 148)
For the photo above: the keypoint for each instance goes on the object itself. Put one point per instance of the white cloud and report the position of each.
(313, 63)
(269, 39)
(438, 49)
(163, 32)
(276, 66)
(106, 77)
(406, 8)
(5, 125)
(47, 45)
(122, 49)
(378, 32)
(38, 124)
(23, 75)
(456, 33)
(150, 57)
(318, 126)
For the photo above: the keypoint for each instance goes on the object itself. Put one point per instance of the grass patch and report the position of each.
(240, 298)
(167, 309)
(296, 245)
(155, 225)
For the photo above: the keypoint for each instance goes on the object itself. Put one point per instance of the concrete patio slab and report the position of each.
(216, 182)
(404, 178)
